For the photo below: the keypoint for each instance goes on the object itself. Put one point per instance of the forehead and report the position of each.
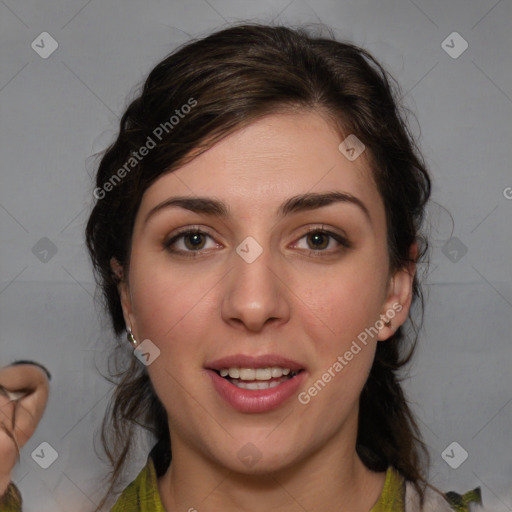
(257, 167)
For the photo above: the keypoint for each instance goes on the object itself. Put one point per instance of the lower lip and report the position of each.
(258, 400)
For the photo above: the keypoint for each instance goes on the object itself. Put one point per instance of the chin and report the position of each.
(251, 460)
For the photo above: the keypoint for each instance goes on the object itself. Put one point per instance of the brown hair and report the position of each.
(230, 79)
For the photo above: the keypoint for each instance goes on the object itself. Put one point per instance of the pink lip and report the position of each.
(243, 361)
(255, 401)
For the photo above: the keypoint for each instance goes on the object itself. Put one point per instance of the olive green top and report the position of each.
(11, 500)
(142, 495)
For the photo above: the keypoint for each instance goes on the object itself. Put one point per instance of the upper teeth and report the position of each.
(255, 373)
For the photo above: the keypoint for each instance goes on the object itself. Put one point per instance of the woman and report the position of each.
(24, 388)
(256, 233)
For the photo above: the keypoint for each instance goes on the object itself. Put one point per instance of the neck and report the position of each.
(328, 479)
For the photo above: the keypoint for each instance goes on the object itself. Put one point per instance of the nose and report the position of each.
(255, 294)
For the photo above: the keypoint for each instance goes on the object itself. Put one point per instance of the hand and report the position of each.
(24, 390)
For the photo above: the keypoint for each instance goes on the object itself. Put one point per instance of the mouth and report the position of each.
(257, 378)
(256, 384)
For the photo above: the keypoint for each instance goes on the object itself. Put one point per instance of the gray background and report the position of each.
(56, 113)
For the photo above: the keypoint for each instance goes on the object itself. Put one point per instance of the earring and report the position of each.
(130, 337)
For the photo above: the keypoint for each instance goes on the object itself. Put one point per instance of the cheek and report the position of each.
(337, 319)
(338, 315)
(172, 309)
(168, 304)
(341, 304)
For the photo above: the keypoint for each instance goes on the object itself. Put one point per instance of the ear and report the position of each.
(400, 292)
(124, 293)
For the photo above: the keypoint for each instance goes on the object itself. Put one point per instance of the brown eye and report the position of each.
(194, 240)
(318, 240)
(189, 242)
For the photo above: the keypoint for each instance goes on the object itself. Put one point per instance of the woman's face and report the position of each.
(263, 285)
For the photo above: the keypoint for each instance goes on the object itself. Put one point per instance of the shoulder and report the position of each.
(142, 494)
(436, 501)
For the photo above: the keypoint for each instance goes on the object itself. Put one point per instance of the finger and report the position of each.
(29, 411)
(8, 450)
(7, 407)
(26, 387)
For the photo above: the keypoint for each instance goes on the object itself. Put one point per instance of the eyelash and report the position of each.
(344, 243)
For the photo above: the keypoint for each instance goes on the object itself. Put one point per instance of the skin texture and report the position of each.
(294, 300)
(24, 393)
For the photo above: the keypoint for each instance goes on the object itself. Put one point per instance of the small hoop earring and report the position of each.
(130, 337)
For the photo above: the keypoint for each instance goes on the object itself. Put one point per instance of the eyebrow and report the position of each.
(295, 204)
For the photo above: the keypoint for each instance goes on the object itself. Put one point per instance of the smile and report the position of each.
(249, 394)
